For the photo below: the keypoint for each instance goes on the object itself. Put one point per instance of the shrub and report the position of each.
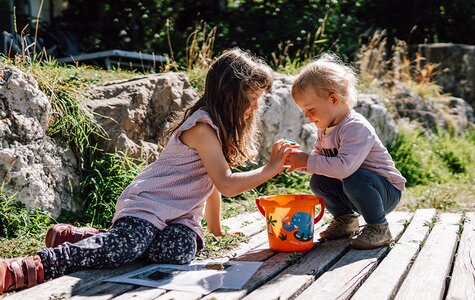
(432, 159)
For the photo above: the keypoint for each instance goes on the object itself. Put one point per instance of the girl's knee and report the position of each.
(183, 258)
(179, 256)
(176, 244)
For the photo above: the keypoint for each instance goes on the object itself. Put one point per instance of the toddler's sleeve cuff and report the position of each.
(312, 164)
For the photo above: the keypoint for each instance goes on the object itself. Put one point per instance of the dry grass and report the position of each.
(199, 50)
(376, 62)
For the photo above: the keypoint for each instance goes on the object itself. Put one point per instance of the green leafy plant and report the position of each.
(295, 257)
(416, 157)
(109, 175)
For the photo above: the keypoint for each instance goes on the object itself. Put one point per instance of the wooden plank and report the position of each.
(427, 277)
(298, 276)
(255, 241)
(254, 228)
(141, 293)
(462, 284)
(237, 222)
(343, 278)
(74, 284)
(283, 259)
(302, 273)
(386, 279)
(260, 253)
(104, 291)
(175, 295)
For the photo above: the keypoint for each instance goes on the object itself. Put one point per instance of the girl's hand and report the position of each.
(278, 156)
(296, 160)
(223, 233)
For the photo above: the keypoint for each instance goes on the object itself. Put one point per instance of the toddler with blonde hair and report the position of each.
(351, 169)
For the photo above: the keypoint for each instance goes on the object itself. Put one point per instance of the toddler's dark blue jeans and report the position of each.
(128, 239)
(364, 192)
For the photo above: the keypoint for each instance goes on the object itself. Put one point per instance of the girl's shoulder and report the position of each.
(199, 116)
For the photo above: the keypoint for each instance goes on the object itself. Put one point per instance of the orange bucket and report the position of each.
(290, 220)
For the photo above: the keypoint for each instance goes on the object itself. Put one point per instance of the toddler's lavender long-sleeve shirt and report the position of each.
(350, 145)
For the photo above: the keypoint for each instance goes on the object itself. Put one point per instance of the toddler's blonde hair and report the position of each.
(329, 73)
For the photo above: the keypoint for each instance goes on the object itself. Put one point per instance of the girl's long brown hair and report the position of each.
(229, 81)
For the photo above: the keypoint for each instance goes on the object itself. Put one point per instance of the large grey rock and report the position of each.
(34, 167)
(281, 118)
(456, 112)
(430, 113)
(411, 106)
(373, 108)
(135, 111)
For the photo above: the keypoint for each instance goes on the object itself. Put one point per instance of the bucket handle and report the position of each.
(317, 218)
(322, 210)
(259, 207)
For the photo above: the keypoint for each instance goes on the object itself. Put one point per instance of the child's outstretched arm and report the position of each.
(202, 137)
(213, 213)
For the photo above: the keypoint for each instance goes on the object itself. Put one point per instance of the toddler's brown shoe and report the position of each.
(373, 236)
(340, 227)
(61, 233)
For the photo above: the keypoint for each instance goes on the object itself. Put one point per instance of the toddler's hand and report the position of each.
(296, 160)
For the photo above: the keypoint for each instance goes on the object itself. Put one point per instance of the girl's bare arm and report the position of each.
(202, 137)
(213, 213)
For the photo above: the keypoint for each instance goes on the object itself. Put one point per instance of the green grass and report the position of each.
(21, 229)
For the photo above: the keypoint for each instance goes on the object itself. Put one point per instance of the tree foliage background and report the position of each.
(262, 26)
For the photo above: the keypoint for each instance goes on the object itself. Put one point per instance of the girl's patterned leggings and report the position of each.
(129, 239)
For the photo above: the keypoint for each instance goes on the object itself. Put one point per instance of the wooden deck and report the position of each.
(433, 258)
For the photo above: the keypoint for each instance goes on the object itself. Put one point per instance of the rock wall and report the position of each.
(459, 62)
(34, 167)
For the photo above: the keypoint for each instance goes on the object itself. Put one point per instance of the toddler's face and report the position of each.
(318, 108)
(254, 96)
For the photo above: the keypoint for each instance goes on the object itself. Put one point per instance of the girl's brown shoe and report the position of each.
(19, 273)
(61, 233)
